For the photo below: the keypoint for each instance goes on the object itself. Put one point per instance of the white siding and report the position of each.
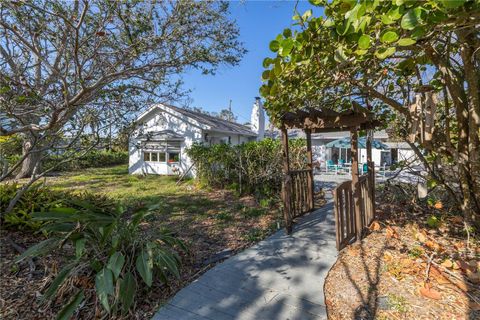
(184, 126)
(159, 122)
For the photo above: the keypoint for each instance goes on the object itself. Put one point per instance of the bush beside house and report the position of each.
(250, 168)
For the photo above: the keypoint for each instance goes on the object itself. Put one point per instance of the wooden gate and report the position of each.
(297, 195)
(350, 222)
(344, 214)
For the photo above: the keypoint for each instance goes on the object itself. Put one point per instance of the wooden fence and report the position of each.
(345, 215)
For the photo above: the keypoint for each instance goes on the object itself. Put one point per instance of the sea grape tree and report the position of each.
(390, 55)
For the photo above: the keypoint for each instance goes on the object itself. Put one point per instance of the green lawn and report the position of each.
(115, 182)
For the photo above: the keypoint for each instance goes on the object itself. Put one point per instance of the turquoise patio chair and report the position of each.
(365, 168)
(330, 165)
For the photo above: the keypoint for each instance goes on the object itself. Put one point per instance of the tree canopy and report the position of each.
(72, 67)
(388, 55)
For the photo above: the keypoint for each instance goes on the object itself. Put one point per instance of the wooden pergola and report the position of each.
(354, 200)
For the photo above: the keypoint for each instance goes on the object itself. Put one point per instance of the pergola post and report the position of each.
(286, 186)
(355, 184)
(310, 181)
(371, 172)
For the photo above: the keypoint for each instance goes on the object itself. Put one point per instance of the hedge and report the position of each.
(250, 168)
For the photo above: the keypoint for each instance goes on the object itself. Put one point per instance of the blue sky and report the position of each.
(259, 23)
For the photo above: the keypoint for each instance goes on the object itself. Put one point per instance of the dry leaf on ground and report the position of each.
(447, 264)
(422, 236)
(391, 233)
(430, 293)
(438, 205)
(375, 226)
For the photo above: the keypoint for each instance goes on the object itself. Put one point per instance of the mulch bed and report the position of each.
(405, 270)
(21, 288)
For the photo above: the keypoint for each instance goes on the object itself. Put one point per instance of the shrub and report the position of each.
(253, 167)
(105, 247)
(36, 199)
(91, 159)
(39, 198)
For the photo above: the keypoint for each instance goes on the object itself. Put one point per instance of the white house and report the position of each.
(164, 132)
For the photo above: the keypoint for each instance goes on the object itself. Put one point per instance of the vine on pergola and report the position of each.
(388, 53)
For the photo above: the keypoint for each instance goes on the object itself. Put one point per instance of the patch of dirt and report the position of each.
(405, 270)
(20, 286)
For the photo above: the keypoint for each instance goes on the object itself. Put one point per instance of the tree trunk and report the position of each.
(31, 160)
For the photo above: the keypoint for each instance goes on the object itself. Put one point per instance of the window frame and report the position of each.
(158, 156)
(173, 152)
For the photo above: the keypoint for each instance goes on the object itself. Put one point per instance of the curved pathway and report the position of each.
(279, 278)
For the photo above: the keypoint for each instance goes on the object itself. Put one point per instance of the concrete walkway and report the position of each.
(279, 278)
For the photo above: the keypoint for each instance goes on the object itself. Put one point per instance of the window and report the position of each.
(162, 152)
(154, 156)
(162, 157)
(173, 157)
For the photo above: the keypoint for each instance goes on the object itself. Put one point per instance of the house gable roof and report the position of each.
(206, 121)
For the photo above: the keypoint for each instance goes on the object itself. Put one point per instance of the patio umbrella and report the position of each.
(345, 143)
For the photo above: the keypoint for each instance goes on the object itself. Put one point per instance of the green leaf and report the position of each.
(385, 53)
(360, 52)
(418, 33)
(79, 247)
(128, 287)
(328, 23)
(67, 312)
(166, 260)
(286, 47)
(264, 90)
(389, 36)
(104, 287)
(115, 263)
(267, 62)
(433, 222)
(38, 249)
(406, 42)
(64, 210)
(274, 45)
(431, 183)
(386, 20)
(307, 15)
(57, 282)
(394, 13)
(411, 19)
(59, 227)
(340, 55)
(364, 42)
(452, 4)
(273, 89)
(144, 266)
(277, 69)
(266, 75)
